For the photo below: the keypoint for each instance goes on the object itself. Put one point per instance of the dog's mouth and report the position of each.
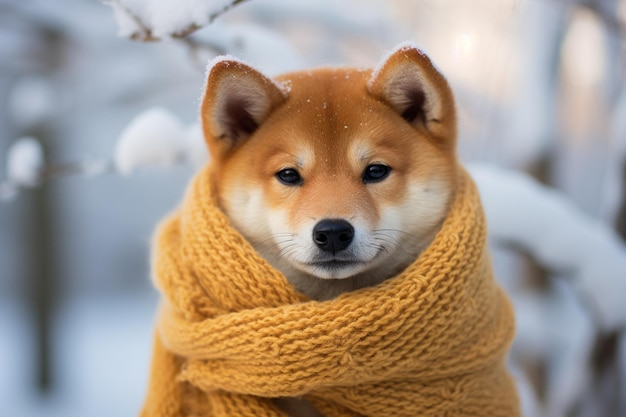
(334, 264)
(336, 267)
(339, 265)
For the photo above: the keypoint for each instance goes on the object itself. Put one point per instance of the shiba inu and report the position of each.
(338, 177)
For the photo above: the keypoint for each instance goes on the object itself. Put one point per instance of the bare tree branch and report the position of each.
(9, 188)
(145, 34)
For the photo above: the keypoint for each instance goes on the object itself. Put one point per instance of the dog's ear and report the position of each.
(237, 99)
(409, 82)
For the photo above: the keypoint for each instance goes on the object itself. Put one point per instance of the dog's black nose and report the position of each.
(333, 235)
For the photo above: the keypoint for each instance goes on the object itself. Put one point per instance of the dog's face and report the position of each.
(348, 175)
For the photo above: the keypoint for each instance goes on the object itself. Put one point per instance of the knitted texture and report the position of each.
(232, 333)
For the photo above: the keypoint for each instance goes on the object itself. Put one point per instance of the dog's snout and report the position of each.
(333, 235)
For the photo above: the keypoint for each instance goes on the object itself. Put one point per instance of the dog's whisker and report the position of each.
(278, 236)
(382, 248)
(387, 239)
(394, 243)
(277, 239)
(270, 246)
(288, 250)
(387, 231)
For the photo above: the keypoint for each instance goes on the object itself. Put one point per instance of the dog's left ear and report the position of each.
(237, 99)
(409, 82)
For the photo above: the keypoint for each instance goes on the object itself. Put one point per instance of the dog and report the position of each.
(338, 177)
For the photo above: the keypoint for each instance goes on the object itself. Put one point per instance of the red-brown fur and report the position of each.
(332, 124)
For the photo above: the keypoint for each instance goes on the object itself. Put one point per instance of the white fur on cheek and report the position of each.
(266, 229)
(292, 244)
(412, 225)
(246, 209)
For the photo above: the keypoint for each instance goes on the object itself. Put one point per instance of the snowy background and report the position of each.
(98, 137)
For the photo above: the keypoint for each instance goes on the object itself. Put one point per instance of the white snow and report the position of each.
(559, 236)
(223, 58)
(126, 25)
(101, 347)
(528, 399)
(154, 138)
(554, 328)
(616, 157)
(25, 160)
(402, 47)
(164, 17)
(587, 264)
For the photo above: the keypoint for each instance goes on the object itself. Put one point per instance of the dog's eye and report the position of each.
(289, 176)
(375, 173)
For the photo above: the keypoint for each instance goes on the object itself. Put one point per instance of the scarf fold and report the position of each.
(232, 333)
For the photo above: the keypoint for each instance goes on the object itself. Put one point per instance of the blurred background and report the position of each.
(540, 86)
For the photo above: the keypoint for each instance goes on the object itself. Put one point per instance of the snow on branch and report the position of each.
(25, 160)
(556, 327)
(542, 222)
(27, 168)
(151, 20)
(155, 138)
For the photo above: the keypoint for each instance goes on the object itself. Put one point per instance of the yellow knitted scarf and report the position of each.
(232, 333)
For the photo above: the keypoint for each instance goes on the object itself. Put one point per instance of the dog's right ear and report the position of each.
(409, 82)
(237, 99)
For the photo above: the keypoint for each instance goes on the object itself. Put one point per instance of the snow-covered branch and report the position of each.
(149, 20)
(27, 168)
(524, 214)
(558, 325)
(25, 162)
(155, 138)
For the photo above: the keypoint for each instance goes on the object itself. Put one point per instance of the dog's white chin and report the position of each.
(341, 269)
(333, 271)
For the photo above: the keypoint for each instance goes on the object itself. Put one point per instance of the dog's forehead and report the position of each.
(331, 103)
(330, 121)
(327, 87)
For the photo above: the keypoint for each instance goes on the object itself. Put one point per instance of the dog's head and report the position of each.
(333, 173)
